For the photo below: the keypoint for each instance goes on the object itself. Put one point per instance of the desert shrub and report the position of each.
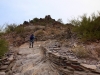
(19, 29)
(1, 33)
(98, 51)
(80, 52)
(39, 33)
(43, 23)
(35, 20)
(3, 47)
(10, 28)
(36, 28)
(88, 28)
(25, 23)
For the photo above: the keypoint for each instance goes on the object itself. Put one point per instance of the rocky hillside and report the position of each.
(43, 29)
(50, 29)
(84, 56)
(46, 58)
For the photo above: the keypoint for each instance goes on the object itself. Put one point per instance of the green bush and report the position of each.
(88, 28)
(3, 47)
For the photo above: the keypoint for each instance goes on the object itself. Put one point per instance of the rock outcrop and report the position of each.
(67, 63)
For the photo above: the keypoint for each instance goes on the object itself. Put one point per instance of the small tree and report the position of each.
(59, 20)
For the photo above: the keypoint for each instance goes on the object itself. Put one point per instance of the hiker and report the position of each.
(31, 40)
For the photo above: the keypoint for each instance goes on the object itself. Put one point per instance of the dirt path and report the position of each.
(31, 61)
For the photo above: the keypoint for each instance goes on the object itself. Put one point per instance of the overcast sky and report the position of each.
(17, 11)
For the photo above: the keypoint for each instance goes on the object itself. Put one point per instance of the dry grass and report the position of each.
(80, 52)
(39, 33)
(98, 51)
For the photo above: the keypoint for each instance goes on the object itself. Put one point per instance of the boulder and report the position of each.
(2, 73)
(11, 58)
(3, 67)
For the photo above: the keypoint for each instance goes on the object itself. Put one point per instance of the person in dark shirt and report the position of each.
(31, 40)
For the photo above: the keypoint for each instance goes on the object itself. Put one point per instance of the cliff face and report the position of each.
(48, 58)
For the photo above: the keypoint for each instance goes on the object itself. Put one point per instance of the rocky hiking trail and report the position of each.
(46, 58)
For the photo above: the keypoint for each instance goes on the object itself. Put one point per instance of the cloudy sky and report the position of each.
(17, 11)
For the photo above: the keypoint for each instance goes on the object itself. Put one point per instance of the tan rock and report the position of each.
(24, 51)
(75, 45)
(11, 58)
(2, 73)
(17, 74)
(89, 66)
(3, 67)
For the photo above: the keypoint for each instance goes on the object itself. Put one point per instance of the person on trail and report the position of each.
(31, 40)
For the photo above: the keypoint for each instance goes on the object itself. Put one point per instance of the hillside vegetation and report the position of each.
(84, 29)
(43, 29)
(88, 28)
(3, 47)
